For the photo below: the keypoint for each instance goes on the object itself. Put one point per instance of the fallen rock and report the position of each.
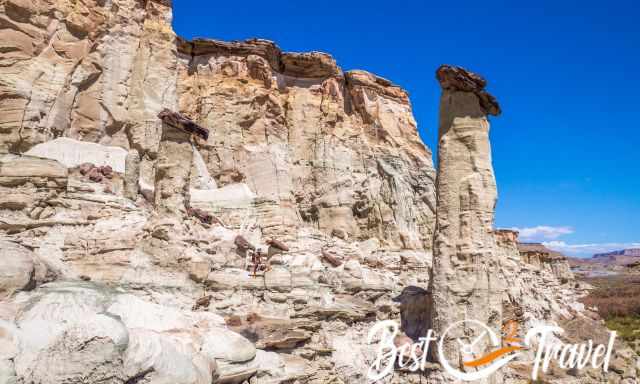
(277, 244)
(16, 268)
(233, 354)
(166, 357)
(183, 123)
(15, 201)
(227, 346)
(201, 215)
(280, 368)
(273, 334)
(202, 302)
(242, 244)
(331, 259)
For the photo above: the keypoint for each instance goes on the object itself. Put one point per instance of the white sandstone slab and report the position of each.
(230, 196)
(72, 153)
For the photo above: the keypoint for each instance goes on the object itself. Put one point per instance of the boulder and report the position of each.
(233, 353)
(17, 268)
(166, 358)
(91, 350)
(183, 123)
(16, 201)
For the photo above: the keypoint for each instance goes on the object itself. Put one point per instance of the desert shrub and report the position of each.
(628, 327)
(615, 296)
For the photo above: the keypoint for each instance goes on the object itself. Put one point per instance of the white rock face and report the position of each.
(9, 341)
(80, 332)
(201, 178)
(89, 352)
(63, 337)
(71, 153)
(137, 313)
(93, 71)
(317, 147)
(166, 358)
(232, 196)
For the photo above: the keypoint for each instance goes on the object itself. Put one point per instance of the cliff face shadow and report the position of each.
(415, 311)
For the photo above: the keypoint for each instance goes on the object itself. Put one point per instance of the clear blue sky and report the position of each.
(567, 147)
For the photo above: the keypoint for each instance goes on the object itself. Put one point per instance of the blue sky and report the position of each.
(567, 147)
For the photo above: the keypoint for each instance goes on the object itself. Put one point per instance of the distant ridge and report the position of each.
(632, 252)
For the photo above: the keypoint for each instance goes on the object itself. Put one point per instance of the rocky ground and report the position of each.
(129, 234)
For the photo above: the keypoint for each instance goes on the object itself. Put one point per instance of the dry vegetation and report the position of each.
(615, 296)
(618, 301)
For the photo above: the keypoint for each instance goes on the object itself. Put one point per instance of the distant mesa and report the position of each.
(614, 259)
(632, 252)
(622, 257)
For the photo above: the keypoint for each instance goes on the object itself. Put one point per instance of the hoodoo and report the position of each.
(175, 156)
(463, 280)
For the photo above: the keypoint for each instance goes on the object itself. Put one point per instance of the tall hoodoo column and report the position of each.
(464, 281)
(175, 156)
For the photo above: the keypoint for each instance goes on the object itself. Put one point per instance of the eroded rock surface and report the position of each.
(318, 148)
(88, 70)
(120, 251)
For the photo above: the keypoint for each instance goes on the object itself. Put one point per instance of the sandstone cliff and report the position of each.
(89, 70)
(256, 236)
(538, 255)
(319, 148)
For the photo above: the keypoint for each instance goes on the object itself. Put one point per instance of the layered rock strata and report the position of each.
(302, 160)
(88, 70)
(539, 255)
(321, 171)
(317, 147)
